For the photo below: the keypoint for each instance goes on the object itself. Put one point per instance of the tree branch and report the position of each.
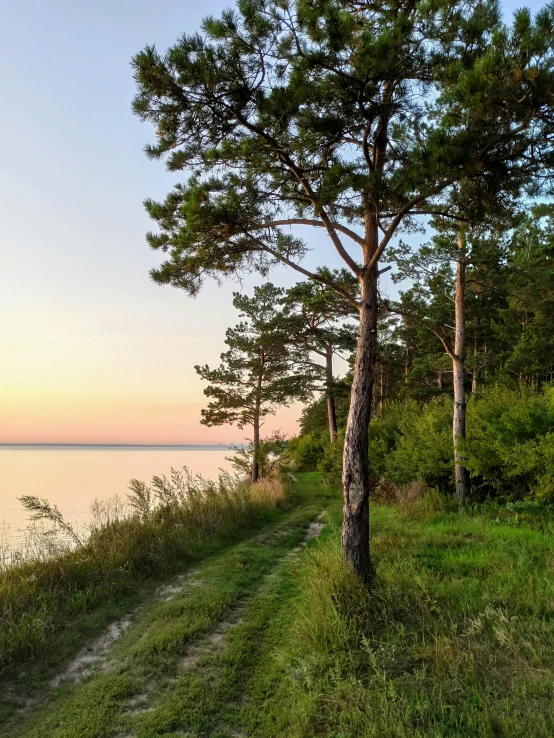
(389, 233)
(302, 180)
(311, 275)
(316, 224)
(398, 311)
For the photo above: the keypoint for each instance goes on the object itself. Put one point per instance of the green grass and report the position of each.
(92, 585)
(455, 640)
(229, 566)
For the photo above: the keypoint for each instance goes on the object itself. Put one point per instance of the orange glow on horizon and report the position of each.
(66, 418)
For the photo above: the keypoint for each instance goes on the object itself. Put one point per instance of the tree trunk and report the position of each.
(355, 531)
(256, 448)
(331, 409)
(475, 375)
(459, 423)
(381, 386)
(257, 413)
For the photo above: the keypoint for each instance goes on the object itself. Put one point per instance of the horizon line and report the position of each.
(114, 445)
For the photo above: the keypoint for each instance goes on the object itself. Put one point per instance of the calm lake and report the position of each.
(72, 477)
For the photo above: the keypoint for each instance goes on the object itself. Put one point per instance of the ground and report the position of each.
(273, 635)
(184, 662)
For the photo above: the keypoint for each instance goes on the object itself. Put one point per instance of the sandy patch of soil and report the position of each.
(93, 656)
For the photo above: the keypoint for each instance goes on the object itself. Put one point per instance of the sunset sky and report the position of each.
(91, 350)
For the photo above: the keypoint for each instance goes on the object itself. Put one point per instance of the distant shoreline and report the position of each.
(155, 446)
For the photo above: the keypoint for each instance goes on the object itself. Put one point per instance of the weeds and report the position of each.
(43, 510)
(170, 522)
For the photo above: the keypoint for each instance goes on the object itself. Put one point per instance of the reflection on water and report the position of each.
(72, 477)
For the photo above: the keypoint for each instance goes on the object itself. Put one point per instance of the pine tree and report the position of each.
(456, 277)
(527, 322)
(317, 319)
(349, 116)
(255, 375)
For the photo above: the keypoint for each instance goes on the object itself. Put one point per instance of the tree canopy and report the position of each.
(350, 116)
(287, 113)
(256, 373)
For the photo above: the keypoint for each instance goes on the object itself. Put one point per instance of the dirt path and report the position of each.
(178, 665)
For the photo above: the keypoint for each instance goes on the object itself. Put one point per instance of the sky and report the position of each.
(91, 351)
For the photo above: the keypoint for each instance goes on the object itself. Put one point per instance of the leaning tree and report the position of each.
(349, 116)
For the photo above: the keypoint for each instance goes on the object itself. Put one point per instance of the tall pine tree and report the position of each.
(348, 116)
(318, 322)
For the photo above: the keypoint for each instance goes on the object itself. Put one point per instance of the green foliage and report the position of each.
(173, 521)
(451, 641)
(308, 449)
(256, 373)
(510, 448)
(424, 449)
(317, 318)
(331, 461)
(273, 454)
(314, 416)
(318, 113)
(318, 322)
(164, 674)
(526, 321)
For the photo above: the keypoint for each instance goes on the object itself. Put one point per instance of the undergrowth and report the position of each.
(456, 638)
(175, 521)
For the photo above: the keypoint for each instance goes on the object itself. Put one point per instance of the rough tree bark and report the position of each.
(256, 424)
(355, 530)
(331, 409)
(355, 474)
(475, 375)
(381, 384)
(256, 448)
(458, 362)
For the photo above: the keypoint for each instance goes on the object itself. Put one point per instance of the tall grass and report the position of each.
(456, 639)
(56, 583)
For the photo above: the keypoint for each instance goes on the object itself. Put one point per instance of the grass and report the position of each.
(145, 662)
(455, 640)
(90, 585)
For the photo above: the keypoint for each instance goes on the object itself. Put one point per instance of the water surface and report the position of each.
(72, 477)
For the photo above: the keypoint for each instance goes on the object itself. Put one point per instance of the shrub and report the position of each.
(509, 449)
(272, 455)
(307, 450)
(330, 462)
(423, 449)
(510, 446)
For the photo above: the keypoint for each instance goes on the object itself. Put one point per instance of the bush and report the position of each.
(423, 449)
(307, 450)
(272, 456)
(330, 462)
(509, 449)
(510, 446)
